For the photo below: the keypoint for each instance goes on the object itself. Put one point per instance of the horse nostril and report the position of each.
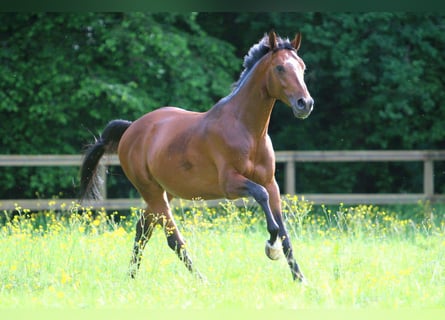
(301, 103)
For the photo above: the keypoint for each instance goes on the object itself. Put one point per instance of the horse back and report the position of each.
(186, 153)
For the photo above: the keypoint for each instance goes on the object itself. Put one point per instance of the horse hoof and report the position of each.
(301, 279)
(274, 251)
(133, 271)
(201, 277)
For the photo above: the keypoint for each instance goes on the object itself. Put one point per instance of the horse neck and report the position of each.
(251, 105)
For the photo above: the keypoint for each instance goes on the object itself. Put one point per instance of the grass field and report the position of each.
(354, 257)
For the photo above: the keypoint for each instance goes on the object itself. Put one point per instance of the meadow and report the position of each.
(354, 257)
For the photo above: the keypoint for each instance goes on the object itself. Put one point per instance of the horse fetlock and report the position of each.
(273, 230)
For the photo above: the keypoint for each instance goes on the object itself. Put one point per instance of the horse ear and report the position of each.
(297, 41)
(272, 40)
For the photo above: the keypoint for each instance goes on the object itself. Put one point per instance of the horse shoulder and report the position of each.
(263, 162)
(229, 141)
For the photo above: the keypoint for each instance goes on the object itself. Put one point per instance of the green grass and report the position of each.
(354, 258)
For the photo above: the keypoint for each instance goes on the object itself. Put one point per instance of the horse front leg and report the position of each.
(273, 251)
(260, 194)
(236, 185)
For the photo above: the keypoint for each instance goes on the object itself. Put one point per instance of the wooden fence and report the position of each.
(289, 158)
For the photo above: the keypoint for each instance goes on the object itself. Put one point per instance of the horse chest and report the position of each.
(259, 171)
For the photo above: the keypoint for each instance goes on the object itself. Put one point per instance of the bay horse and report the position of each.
(225, 152)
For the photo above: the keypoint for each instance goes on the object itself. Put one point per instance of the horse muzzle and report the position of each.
(302, 107)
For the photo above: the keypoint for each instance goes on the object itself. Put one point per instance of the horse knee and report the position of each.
(258, 192)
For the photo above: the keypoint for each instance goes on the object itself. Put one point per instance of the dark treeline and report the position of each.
(377, 81)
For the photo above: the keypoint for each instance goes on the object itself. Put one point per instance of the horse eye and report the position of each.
(280, 68)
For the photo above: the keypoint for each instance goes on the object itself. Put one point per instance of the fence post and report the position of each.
(289, 175)
(428, 178)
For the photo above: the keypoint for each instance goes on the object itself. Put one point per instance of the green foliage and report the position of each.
(64, 76)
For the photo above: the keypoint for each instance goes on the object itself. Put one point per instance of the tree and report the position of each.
(64, 76)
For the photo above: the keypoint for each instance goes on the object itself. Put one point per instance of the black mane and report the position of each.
(256, 52)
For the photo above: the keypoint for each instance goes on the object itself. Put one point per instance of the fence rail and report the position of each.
(289, 158)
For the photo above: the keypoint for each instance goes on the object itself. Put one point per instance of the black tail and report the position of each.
(107, 143)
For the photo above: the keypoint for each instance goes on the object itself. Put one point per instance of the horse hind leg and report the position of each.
(158, 213)
(144, 231)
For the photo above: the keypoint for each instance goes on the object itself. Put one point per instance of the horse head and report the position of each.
(285, 80)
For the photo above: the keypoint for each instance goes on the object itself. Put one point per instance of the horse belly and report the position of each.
(184, 170)
(189, 181)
